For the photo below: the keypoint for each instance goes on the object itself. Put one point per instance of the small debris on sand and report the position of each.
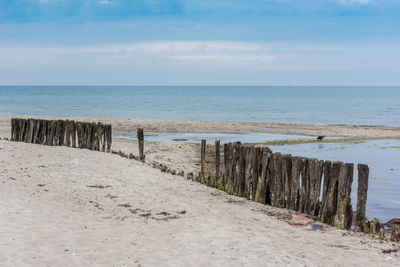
(317, 226)
(390, 250)
(110, 196)
(41, 185)
(99, 186)
(297, 219)
(126, 205)
(164, 213)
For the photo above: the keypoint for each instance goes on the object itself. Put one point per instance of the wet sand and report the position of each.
(127, 127)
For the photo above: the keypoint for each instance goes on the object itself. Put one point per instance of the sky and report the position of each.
(207, 42)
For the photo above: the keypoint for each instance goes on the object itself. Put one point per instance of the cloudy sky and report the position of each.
(200, 42)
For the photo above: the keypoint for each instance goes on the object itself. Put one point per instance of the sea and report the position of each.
(374, 106)
(288, 104)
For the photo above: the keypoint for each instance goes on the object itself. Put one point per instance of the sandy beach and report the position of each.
(127, 127)
(185, 156)
(66, 206)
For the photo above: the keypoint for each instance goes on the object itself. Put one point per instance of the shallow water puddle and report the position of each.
(211, 137)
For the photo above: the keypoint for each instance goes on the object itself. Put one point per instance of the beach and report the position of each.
(128, 127)
(183, 156)
(103, 209)
(68, 206)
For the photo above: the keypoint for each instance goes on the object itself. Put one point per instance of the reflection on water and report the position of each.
(383, 158)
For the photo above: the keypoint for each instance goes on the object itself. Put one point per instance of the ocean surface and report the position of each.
(292, 104)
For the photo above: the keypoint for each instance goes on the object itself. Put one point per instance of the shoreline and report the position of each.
(122, 126)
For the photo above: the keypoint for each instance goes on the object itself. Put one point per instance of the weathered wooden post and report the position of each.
(203, 159)
(239, 169)
(287, 180)
(363, 174)
(140, 137)
(329, 199)
(261, 192)
(295, 183)
(217, 157)
(248, 164)
(344, 211)
(28, 131)
(315, 170)
(109, 137)
(93, 145)
(305, 186)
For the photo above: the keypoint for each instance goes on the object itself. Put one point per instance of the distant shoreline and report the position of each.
(122, 126)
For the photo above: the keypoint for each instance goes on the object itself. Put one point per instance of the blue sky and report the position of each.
(189, 42)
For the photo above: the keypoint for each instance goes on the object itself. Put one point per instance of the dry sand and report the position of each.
(74, 207)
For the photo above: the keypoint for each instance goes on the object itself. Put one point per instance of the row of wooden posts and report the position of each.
(90, 135)
(286, 181)
(252, 172)
(94, 136)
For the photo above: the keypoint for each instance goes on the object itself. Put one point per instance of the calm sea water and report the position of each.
(326, 105)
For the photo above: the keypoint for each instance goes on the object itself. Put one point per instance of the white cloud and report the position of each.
(197, 62)
(349, 2)
(105, 2)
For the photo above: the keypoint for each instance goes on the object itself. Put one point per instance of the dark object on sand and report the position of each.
(320, 137)
(140, 137)
(317, 226)
(315, 218)
(298, 219)
(393, 223)
(390, 250)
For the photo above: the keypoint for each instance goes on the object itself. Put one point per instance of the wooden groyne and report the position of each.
(93, 136)
(307, 185)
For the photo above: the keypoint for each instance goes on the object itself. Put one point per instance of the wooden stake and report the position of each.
(261, 191)
(329, 205)
(315, 170)
(363, 174)
(344, 211)
(140, 136)
(109, 137)
(295, 184)
(217, 157)
(202, 159)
